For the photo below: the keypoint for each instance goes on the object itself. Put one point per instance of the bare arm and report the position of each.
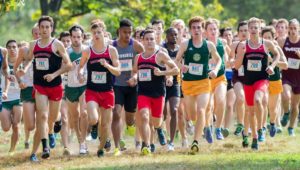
(5, 63)
(138, 47)
(215, 56)
(239, 56)
(181, 51)
(166, 60)
(282, 63)
(272, 48)
(115, 67)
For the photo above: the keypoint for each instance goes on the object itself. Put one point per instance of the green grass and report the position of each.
(281, 152)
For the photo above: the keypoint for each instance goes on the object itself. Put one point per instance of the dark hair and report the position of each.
(10, 41)
(169, 30)
(75, 28)
(46, 18)
(146, 31)
(242, 23)
(125, 23)
(63, 34)
(158, 22)
(270, 29)
(222, 30)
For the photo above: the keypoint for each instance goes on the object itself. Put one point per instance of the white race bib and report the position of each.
(293, 63)
(254, 65)
(196, 69)
(211, 65)
(13, 85)
(42, 63)
(126, 65)
(98, 77)
(241, 71)
(72, 78)
(144, 75)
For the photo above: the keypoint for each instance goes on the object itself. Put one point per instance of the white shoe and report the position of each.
(190, 128)
(89, 137)
(185, 143)
(171, 147)
(83, 149)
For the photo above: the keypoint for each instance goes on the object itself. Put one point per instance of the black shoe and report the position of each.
(46, 153)
(57, 126)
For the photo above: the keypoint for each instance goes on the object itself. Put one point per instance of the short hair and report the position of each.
(176, 22)
(294, 20)
(222, 30)
(46, 18)
(125, 23)
(154, 22)
(147, 31)
(96, 23)
(270, 29)
(196, 19)
(273, 22)
(10, 41)
(254, 20)
(211, 21)
(137, 29)
(282, 21)
(75, 28)
(63, 34)
(169, 30)
(242, 23)
(34, 26)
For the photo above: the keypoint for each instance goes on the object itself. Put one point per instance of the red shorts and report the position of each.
(53, 93)
(261, 85)
(155, 105)
(104, 99)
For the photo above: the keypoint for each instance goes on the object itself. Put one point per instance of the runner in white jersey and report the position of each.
(25, 80)
(12, 108)
(74, 90)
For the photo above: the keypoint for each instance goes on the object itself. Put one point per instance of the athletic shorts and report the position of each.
(26, 95)
(104, 99)
(275, 87)
(126, 96)
(53, 93)
(214, 83)
(194, 88)
(155, 105)
(295, 89)
(236, 78)
(229, 84)
(250, 90)
(10, 104)
(173, 91)
(72, 94)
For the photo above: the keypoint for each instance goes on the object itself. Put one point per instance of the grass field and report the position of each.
(281, 152)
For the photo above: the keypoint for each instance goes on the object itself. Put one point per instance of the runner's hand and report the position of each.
(169, 82)
(80, 78)
(212, 74)
(49, 77)
(4, 95)
(22, 85)
(270, 70)
(184, 68)
(132, 82)
(11, 78)
(103, 62)
(157, 72)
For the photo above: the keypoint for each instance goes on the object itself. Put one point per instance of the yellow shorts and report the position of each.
(217, 81)
(194, 88)
(275, 87)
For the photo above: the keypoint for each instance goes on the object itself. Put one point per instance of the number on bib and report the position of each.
(254, 65)
(99, 77)
(144, 75)
(42, 63)
(293, 63)
(196, 69)
(126, 65)
(241, 71)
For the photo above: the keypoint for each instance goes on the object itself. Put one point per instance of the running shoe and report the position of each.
(94, 131)
(285, 119)
(239, 129)
(100, 153)
(245, 142)
(122, 145)
(273, 130)
(152, 148)
(161, 136)
(57, 126)
(254, 145)
(107, 145)
(33, 158)
(261, 135)
(225, 132)
(66, 152)
(146, 150)
(208, 135)
(291, 132)
(52, 140)
(194, 148)
(46, 153)
(219, 134)
(117, 152)
(171, 147)
(130, 130)
(83, 149)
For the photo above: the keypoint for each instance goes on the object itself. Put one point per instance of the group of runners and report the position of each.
(193, 81)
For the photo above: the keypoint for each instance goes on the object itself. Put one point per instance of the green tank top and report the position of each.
(276, 75)
(197, 61)
(220, 49)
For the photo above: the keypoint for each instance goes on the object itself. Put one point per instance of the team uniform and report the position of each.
(27, 79)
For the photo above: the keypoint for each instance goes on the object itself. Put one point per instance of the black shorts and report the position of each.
(127, 97)
(229, 84)
(173, 91)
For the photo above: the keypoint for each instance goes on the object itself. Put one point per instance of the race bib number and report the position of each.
(13, 85)
(254, 65)
(144, 75)
(196, 69)
(241, 71)
(72, 78)
(293, 63)
(99, 77)
(42, 63)
(126, 65)
(211, 65)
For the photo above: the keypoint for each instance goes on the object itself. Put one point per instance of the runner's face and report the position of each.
(137, 36)
(212, 30)
(293, 29)
(45, 29)
(228, 36)
(98, 34)
(243, 33)
(180, 29)
(66, 41)
(196, 29)
(149, 41)
(267, 36)
(35, 33)
(172, 36)
(254, 29)
(125, 33)
(158, 29)
(281, 29)
(76, 38)
(12, 49)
